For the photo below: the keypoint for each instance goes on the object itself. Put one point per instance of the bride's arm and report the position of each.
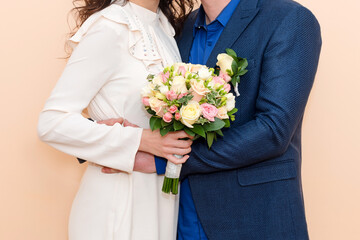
(61, 124)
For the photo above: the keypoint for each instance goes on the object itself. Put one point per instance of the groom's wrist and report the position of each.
(160, 164)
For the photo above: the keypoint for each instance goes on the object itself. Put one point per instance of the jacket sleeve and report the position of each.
(61, 125)
(288, 71)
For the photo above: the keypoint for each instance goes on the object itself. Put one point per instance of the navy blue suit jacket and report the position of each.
(248, 185)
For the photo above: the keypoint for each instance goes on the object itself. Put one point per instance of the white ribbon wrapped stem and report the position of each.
(236, 89)
(173, 170)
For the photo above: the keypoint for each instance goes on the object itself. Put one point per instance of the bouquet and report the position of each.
(195, 99)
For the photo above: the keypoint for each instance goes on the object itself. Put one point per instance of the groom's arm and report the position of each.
(288, 70)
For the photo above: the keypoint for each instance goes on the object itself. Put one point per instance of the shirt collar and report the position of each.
(223, 17)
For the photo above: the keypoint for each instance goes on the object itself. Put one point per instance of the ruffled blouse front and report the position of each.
(113, 52)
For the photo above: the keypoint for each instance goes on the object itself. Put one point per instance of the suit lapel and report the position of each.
(242, 16)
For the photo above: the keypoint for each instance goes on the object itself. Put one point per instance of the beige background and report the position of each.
(38, 183)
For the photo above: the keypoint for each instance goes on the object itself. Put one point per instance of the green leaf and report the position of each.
(196, 137)
(234, 67)
(231, 52)
(164, 124)
(155, 123)
(198, 129)
(243, 63)
(233, 111)
(219, 132)
(213, 126)
(188, 131)
(227, 123)
(178, 126)
(165, 130)
(233, 81)
(229, 72)
(210, 138)
(242, 72)
(150, 111)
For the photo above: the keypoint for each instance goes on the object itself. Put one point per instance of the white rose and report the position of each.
(157, 80)
(204, 73)
(198, 87)
(224, 62)
(157, 106)
(179, 85)
(230, 102)
(148, 90)
(190, 113)
(194, 68)
(222, 113)
(164, 89)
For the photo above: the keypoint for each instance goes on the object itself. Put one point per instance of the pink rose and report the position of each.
(182, 70)
(146, 101)
(209, 111)
(167, 117)
(173, 109)
(197, 97)
(218, 80)
(171, 95)
(182, 95)
(225, 76)
(227, 88)
(177, 116)
(165, 77)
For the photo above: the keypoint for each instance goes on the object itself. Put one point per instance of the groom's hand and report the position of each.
(144, 162)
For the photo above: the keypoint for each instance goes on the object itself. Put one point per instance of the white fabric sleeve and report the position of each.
(61, 124)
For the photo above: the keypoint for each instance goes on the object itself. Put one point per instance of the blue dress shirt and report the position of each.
(205, 38)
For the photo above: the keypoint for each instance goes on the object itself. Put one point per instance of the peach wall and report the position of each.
(38, 183)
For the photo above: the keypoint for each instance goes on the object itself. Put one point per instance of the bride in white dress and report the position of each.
(114, 50)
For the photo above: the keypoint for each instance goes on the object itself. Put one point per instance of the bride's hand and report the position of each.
(166, 146)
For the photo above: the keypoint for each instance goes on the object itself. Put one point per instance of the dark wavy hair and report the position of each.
(175, 10)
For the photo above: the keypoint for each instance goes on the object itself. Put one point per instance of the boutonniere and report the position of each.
(233, 66)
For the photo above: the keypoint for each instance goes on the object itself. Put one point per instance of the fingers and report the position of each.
(110, 170)
(129, 124)
(176, 160)
(112, 121)
(182, 134)
(183, 143)
(178, 151)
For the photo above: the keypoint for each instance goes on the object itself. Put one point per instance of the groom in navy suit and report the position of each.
(248, 185)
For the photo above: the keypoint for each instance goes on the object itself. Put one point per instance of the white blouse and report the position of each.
(114, 51)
